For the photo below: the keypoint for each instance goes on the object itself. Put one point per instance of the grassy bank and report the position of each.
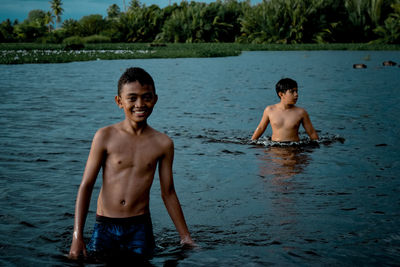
(20, 53)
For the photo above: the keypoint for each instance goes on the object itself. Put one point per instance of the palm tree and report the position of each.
(375, 11)
(57, 9)
(113, 11)
(48, 19)
(134, 4)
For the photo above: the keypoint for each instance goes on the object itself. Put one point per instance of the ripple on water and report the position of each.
(246, 202)
(325, 139)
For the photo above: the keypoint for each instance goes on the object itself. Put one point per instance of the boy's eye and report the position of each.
(147, 97)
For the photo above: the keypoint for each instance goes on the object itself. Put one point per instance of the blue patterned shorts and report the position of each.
(122, 235)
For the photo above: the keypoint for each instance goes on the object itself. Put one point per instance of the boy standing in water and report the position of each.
(285, 117)
(128, 152)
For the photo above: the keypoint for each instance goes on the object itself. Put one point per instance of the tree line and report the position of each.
(271, 21)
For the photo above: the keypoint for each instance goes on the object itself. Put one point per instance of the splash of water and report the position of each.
(237, 137)
(325, 139)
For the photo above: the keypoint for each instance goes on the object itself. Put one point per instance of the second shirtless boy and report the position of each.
(285, 117)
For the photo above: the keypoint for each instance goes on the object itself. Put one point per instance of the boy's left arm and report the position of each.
(170, 197)
(309, 127)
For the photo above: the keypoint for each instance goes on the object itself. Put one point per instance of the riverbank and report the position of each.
(21, 53)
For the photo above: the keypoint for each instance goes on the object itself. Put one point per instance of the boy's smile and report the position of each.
(137, 101)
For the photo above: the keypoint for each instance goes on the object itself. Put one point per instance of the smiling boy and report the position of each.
(128, 152)
(285, 117)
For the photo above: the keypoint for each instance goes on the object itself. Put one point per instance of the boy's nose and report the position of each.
(139, 102)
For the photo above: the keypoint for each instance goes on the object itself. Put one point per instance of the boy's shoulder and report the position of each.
(270, 108)
(159, 141)
(300, 110)
(163, 138)
(108, 130)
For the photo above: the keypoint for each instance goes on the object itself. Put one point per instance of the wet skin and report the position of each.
(285, 119)
(128, 152)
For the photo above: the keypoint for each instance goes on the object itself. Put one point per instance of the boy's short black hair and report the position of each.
(135, 74)
(285, 84)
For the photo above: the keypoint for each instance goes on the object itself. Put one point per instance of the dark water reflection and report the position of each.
(281, 163)
(255, 204)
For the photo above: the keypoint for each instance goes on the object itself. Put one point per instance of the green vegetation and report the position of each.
(194, 29)
(19, 53)
(269, 22)
(58, 53)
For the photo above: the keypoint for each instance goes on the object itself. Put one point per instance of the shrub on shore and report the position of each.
(20, 53)
(96, 39)
(73, 43)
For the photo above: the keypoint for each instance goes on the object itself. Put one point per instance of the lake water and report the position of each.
(336, 203)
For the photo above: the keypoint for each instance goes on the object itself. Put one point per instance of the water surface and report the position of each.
(246, 204)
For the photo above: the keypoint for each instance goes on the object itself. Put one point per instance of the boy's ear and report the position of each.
(280, 94)
(155, 98)
(118, 101)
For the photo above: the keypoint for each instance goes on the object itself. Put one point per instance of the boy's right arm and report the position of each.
(93, 165)
(261, 126)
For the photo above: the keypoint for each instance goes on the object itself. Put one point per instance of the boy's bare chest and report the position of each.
(286, 119)
(133, 155)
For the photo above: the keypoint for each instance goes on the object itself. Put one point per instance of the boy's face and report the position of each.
(137, 101)
(290, 96)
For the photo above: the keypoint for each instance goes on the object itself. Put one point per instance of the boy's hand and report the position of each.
(187, 241)
(78, 247)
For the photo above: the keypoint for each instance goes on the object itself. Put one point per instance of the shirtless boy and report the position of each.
(128, 152)
(285, 117)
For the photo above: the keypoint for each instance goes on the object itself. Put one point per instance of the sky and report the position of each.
(75, 9)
